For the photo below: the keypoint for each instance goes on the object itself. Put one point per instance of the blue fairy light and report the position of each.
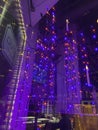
(96, 49)
(94, 36)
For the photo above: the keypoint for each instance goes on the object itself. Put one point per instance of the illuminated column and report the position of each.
(86, 87)
(43, 85)
(68, 84)
(72, 85)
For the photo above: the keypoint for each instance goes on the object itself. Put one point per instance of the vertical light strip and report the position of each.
(72, 87)
(19, 62)
(4, 10)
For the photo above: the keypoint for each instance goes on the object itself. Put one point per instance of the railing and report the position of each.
(86, 122)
